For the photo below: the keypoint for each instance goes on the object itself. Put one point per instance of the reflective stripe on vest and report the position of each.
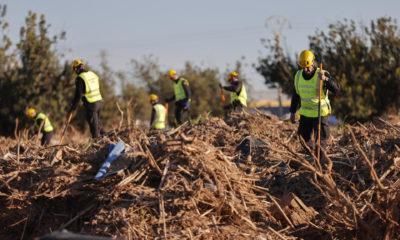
(308, 90)
(179, 91)
(47, 127)
(242, 96)
(161, 112)
(92, 86)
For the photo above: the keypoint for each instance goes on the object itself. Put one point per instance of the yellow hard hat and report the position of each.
(153, 97)
(171, 73)
(30, 113)
(306, 59)
(232, 74)
(76, 63)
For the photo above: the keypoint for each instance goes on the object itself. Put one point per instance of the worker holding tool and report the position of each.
(182, 96)
(47, 128)
(306, 94)
(88, 89)
(158, 114)
(238, 92)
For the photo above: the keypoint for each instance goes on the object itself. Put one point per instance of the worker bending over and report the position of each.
(182, 96)
(47, 128)
(238, 92)
(305, 95)
(158, 114)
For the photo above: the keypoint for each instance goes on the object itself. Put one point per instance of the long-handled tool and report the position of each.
(66, 126)
(222, 98)
(57, 152)
(319, 113)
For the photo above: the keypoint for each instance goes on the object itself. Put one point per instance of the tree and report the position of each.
(277, 68)
(148, 76)
(36, 80)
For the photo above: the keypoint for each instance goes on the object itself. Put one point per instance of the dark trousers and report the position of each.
(237, 106)
(46, 138)
(306, 127)
(181, 112)
(93, 118)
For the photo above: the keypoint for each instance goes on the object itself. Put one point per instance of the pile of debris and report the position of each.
(243, 177)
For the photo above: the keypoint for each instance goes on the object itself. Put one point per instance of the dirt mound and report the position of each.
(244, 177)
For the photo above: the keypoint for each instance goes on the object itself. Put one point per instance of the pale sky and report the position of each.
(208, 33)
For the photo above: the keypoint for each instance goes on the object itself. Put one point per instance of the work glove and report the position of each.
(187, 105)
(71, 108)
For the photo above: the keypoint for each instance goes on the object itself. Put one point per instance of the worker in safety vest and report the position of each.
(238, 92)
(42, 120)
(182, 96)
(88, 89)
(158, 114)
(305, 95)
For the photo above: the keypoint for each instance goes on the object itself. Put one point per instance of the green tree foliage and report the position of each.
(107, 83)
(147, 78)
(37, 79)
(277, 68)
(6, 58)
(364, 59)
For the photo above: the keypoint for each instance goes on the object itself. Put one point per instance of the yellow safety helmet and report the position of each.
(171, 73)
(232, 74)
(76, 63)
(153, 97)
(30, 113)
(306, 59)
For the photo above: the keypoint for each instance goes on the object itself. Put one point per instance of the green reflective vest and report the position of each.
(308, 90)
(92, 86)
(161, 113)
(179, 91)
(47, 127)
(242, 96)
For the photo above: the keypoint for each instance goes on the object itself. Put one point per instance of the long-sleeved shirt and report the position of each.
(153, 117)
(80, 89)
(332, 85)
(186, 88)
(235, 87)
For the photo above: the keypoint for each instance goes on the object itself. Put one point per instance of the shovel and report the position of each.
(319, 114)
(56, 153)
(66, 126)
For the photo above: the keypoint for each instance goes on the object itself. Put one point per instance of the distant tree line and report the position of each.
(33, 74)
(364, 59)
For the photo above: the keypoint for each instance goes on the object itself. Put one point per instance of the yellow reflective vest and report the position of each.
(92, 86)
(308, 90)
(179, 91)
(47, 127)
(242, 96)
(161, 113)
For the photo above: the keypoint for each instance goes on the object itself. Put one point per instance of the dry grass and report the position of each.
(242, 178)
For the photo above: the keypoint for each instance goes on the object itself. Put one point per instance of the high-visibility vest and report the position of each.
(47, 127)
(242, 96)
(92, 86)
(179, 91)
(308, 90)
(161, 113)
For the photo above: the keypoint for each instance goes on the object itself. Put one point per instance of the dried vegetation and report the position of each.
(245, 177)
